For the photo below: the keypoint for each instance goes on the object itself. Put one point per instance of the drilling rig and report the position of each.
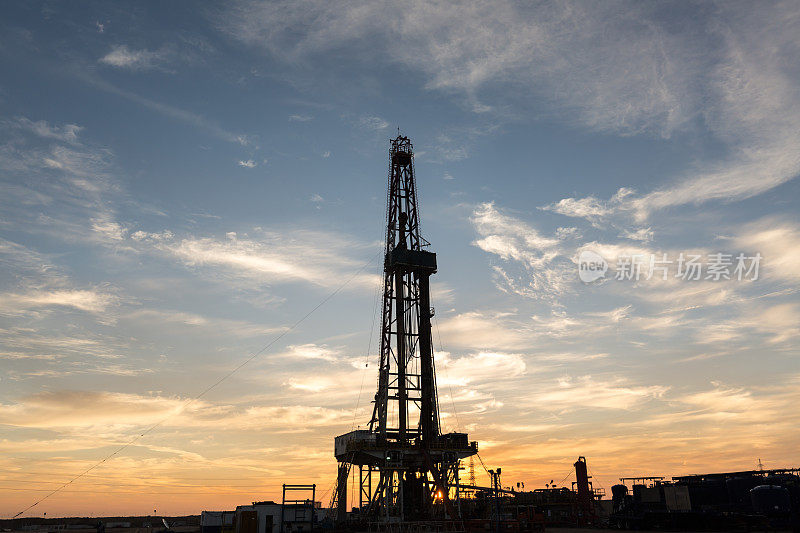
(407, 468)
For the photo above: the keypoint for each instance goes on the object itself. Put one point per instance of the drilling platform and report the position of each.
(407, 468)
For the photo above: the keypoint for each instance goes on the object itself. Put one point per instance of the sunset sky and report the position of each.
(182, 182)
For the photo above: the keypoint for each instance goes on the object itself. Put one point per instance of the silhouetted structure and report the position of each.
(729, 501)
(407, 469)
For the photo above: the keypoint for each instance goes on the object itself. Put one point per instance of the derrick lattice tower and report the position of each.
(407, 469)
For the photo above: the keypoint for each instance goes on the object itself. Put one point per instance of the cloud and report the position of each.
(107, 411)
(109, 230)
(188, 117)
(481, 367)
(64, 188)
(509, 237)
(10, 356)
(66, 133)
(121, 56)
(455, 143)
(641, 234)
(162, 236)
(593, 393)
(539, 266)
(373, 122)
(83, 300)
(201, 324)
(42, 286)
(721, 400)
(90, 165)
(776, 324)
(313, 351)
(571, 357)
(315, 383)
(59, 344)
(777, 239)
(21, 258)
(482, 330)
(749, 101)
(546, 271)
(300, 118)
(573, 53)
(590, 208)
(85, 408)
(249, 163)
(734, 409)
(755, 106)
(275, 256)
(453, 153)
(620, 68)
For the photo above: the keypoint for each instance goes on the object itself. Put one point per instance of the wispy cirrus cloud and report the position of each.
(200, 324)
(121, 56)
(59, 344)
(313, 351)
(270, 256)
(733, 408)
(480, 367)
(182, 49)
(474, 46)
(171, 111)
(84, 300)
(775, 324)
(750, 103)
(777, 239)
(489, 330)
(373, 122)
(23, 259)
(594, 393)
(592, 209)
(545, 268)
(55, 183)
(619, 68)
(67, 132)
(67, 409)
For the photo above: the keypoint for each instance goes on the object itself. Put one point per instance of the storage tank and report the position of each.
(637, 492)
(618, 494)
(771, 500)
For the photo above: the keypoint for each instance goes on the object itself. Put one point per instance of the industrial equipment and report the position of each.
(407, 469)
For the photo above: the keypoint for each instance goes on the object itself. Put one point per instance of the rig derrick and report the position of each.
(407, 469)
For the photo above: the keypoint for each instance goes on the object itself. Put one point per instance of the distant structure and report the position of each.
(294, 514)
(585, 493)
(407, 469)
(472, 470)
